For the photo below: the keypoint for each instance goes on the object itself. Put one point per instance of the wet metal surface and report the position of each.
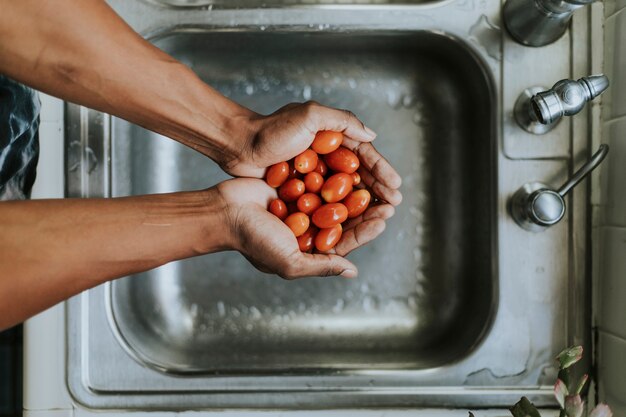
(425, 292)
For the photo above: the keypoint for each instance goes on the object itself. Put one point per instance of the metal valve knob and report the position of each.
(536, 206)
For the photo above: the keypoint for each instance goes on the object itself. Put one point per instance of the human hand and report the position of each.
(271, 246)
(291, 130)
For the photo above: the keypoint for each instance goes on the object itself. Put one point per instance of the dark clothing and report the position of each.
(19, 139)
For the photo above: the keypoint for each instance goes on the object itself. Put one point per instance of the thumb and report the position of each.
(325, 265)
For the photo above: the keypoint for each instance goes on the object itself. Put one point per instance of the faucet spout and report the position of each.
(567, 97)
(539, 22)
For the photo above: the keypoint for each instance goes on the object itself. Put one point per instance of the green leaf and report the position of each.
(601, 410)
(569, 356)
(574, 406)
(581, 384)
(560, 392)
(524, 408)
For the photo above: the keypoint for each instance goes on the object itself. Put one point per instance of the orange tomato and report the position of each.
(277, 174)
(291, 190)
(321, 168)
(330, 215)
(313, 182)
(326, 239)
(356, 178)
(357, 202)
(306, 161)
(308, 203)
(279, 209)
(342, 160)
(337, 187)
(298, 223)
(326, 141)
(307, 239)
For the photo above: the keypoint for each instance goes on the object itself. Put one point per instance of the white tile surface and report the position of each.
(612, 367)
(611, 298)
(614, 99)
(613, 174)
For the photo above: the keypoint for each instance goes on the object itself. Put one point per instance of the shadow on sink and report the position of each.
(426, 293)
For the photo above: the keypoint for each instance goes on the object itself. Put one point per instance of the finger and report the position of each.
(380, 168)
(327, 118)
(359, 235)
(390, 195)
(322, 265)
(383, 211)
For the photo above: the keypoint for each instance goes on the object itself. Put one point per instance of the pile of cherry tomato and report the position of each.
(316, 192)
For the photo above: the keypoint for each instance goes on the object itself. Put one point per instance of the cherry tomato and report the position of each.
(313, 182)
(357, 202)
(326, 141)
(291, 190)
(308, 203)
(307, 239)
(306, 161)
(277, 174)
(321, 167)
(326, 239)
(337, 187)
(329, 215)
(356, 178)
(342, 160)
(279, 209)
(298, 223)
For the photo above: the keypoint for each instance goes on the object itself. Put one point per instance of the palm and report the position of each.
(271, 246)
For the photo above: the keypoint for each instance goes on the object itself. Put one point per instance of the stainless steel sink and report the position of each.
(455, 305)
(426, 293)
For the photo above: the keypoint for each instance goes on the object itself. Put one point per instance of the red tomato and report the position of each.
(326, 141)
(326, 239)
(306, 240)
(277, 174)
(306, 161)
(357, 202)
(313, 182)
(308, 203)
(298, 223)
(279, 209)
(342, 160)
(356, 178)
(337, 187)
(321, 168)
(329, 215)
(291, 190)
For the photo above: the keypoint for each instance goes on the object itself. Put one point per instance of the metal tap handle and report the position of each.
(536, 206)
(585, 170)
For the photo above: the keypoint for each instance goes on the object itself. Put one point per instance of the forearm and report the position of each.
(83, 52)
(53, 249)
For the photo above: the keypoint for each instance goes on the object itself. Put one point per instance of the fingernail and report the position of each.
(349, 273)
(370, 132)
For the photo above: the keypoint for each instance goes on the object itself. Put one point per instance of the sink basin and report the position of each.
(455, 305)
(280, 3)
(426, 292)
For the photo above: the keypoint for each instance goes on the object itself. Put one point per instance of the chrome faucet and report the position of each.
(537, 111)
(536, 206)
(539, 22)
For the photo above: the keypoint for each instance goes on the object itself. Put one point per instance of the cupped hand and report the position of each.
(271, 246)
(291, 130)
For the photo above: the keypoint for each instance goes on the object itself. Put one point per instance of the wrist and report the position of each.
(207, 121)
